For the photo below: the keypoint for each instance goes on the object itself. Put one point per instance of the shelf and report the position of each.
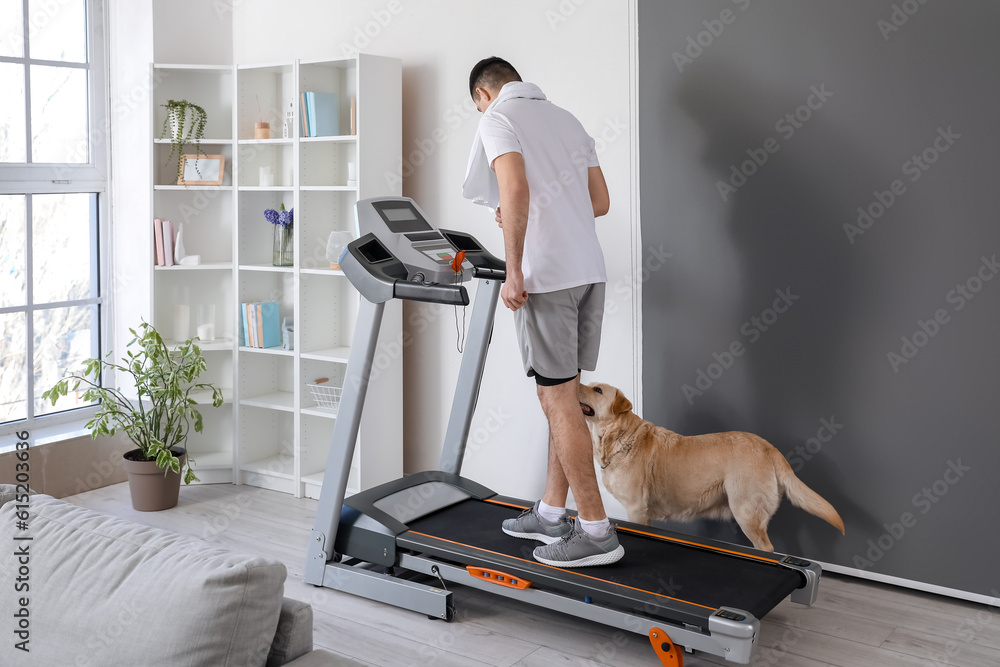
(320, 412)
(281, 67)
(214, 142)
(272, 141)
(273, 188)
(276, 466)
(322, 272)
(339, 354)
(337, 138)
(192, 187)
(278, 400)
(328, 188)
(221, 69)
(208, 266)
(212, 460)
(268, 350)
(204, 396)
(267, 268)
(316, 480)
(220, 344)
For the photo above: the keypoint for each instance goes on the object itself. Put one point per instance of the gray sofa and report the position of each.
(94, 590)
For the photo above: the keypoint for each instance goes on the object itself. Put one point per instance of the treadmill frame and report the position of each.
(369, 536)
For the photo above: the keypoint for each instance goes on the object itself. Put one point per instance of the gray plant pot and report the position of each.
(152, 490)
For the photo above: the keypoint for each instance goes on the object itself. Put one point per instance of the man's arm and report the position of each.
(514, 200)
(599, 195)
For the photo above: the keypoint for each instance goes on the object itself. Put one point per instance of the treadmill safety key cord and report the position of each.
(456, 266)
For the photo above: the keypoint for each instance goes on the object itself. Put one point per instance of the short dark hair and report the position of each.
(491, 72)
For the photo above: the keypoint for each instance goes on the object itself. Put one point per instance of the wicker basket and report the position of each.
(327, 397)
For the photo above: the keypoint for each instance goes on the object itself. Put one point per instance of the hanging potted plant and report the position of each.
(179, 112)
(157, 421)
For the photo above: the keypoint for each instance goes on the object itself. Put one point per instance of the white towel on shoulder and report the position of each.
(480, 181)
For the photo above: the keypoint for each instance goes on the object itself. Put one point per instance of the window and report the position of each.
(53, 202)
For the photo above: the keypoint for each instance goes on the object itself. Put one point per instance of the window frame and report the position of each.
(57, 178)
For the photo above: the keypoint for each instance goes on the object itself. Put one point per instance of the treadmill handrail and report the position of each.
(485, 265)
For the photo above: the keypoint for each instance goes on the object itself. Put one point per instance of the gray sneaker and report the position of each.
(579, 549)
(531, 525)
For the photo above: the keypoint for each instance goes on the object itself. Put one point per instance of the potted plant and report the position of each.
(179, 111)
(157, 421)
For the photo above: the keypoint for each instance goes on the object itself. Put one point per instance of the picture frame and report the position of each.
(212, 169)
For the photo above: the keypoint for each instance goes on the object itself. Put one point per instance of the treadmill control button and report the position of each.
(731, 616)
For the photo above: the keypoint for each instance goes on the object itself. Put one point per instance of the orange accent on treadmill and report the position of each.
(669, 653)
(456, 264)
(499, 578)
(565, 571)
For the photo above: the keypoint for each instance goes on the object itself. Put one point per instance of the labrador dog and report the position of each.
(658, 474)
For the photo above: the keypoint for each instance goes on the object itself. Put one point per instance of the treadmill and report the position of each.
(401, 542)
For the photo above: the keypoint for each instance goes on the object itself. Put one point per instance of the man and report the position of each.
(549, 187)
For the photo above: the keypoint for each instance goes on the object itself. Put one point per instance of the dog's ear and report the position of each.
(621, 404)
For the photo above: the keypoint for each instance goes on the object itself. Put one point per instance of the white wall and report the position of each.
(198, 32)
(129, 54)
(578, 52)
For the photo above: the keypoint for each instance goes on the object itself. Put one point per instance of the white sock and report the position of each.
(596, 528)
(550, 513)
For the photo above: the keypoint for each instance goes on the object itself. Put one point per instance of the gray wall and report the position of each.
(899, 429)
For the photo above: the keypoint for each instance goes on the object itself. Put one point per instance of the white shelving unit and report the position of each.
(269, 431)
(283, 438)
(207, 214)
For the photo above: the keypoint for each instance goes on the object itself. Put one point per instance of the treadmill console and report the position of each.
(405, 232)
(401, 255)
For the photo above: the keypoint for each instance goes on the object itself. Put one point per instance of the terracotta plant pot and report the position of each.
(151, 489)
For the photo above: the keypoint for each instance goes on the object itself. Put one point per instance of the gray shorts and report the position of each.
(559, 333)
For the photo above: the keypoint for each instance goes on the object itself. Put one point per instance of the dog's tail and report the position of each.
(801, 495)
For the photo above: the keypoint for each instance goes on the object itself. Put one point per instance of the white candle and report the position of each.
(206, 332)
(182, 322)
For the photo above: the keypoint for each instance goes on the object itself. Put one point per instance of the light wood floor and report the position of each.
(853, 624)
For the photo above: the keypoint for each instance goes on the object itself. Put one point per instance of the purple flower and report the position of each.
(285, 217)
(271, 216)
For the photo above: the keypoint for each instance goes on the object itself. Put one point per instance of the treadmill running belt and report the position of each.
(661, 567)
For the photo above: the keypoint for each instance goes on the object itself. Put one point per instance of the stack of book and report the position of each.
(259, 324)
(164, 235)
(320, 114)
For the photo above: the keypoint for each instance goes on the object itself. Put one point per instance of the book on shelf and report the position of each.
(321, 113)
(304, 116)
(254, 340)
(158, 239)
(244, 329)
(168, 243)
(260, 324)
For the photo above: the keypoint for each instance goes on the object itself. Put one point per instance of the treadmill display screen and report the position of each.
(400, 217)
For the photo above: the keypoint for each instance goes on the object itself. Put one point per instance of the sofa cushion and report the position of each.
(106, 591)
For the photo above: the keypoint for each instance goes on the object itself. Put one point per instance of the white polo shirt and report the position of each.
(561, 249)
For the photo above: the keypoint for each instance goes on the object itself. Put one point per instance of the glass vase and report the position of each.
(283, 252)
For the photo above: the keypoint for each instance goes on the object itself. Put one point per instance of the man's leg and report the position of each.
(570, 443)
(556, 484)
